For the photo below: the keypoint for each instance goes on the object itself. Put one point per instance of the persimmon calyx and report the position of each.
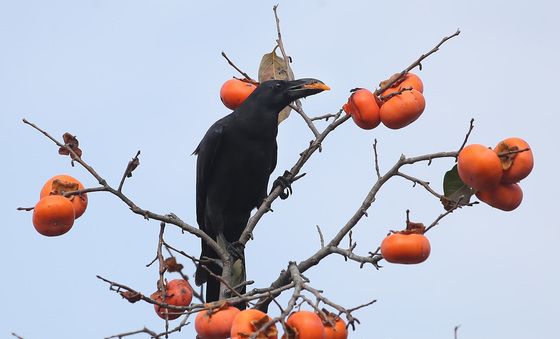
(507, 153)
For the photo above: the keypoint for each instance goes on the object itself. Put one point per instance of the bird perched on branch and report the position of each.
(235, 159)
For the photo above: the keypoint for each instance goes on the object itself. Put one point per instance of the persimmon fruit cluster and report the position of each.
(397, 106)
(495, 173)
(55, 212)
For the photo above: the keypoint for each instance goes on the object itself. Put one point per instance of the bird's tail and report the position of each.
(202, 275)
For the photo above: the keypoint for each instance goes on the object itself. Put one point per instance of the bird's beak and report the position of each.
(304, 87)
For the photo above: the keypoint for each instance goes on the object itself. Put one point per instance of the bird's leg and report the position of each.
(235, 249)
(285, 183)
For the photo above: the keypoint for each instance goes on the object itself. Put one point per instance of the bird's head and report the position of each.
(280, 93)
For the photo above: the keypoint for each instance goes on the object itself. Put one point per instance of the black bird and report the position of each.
(235, 160)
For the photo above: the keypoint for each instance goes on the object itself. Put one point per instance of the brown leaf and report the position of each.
(505, 154)
(172, 265)
(274, 67)
(132, 164)
(132, 297)
(71, 142)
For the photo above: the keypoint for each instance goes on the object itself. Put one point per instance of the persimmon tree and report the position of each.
(367, 109)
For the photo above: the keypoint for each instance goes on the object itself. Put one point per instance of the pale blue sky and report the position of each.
(130, 75)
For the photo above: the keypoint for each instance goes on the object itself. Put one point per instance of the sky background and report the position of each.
(145, 75)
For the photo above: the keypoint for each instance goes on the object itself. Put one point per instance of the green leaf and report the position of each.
(274, 67)
(455, 191)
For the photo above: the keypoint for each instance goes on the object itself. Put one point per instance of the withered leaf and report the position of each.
(132, 165)
(70, 141)
(132, 297)
(172, 265)
(274, 67)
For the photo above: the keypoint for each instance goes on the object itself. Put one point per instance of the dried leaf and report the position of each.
(506, 159)
(132, 297)
(132, 165)
(61, 187)
(71, 142)
(274, 67)
(455, 191)
(172, 265)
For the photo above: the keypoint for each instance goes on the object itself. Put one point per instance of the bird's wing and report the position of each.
(206, 152)
(274, 158)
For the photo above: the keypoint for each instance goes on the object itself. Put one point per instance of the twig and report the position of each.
(376, 159)
(127, 334)
(422, 183)
(132, 164)
(455, 331)
(321, 238)
(298, 107)
(17, 336)
(245, 75)
(417, 63)
(325, 117)
(471, 127)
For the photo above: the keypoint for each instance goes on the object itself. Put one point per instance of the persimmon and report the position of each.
(248, 322)
(304, 325)
(505, 197)
(516, 166)
(53, 215)
(235, 91)
(363, 108)
(479, 167)
(215, 324)
(409, 80)
(178, 292)
(402, 109)
(63, 183)
(338, 331)
(405, 248)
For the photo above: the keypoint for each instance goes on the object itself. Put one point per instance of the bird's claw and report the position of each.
(236, 250)
(285, 183)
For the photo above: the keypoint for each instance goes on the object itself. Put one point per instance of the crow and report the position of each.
(235, 159)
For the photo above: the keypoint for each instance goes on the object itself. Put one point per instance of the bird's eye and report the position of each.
(278, 85)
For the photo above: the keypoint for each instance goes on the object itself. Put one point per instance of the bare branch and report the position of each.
(422, 183)
(245, 75)
(132, 164)
(417, 63)
(471, 127)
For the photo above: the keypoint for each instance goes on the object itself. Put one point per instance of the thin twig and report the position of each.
(376, 157)
(132, 164)
(471, 127)
(245, 75)
(416, 63)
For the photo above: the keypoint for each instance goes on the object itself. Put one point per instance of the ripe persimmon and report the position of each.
(53, 215)
(363, 108)
(402, 109)
(409, 80)
(405, 248)
(516, 166)
(178, 292)
(63, 183)
(215, 324)
(505, 197)
(479, 167)
(235, 91)
(338, 331)
(248, 322)
(304, 325)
